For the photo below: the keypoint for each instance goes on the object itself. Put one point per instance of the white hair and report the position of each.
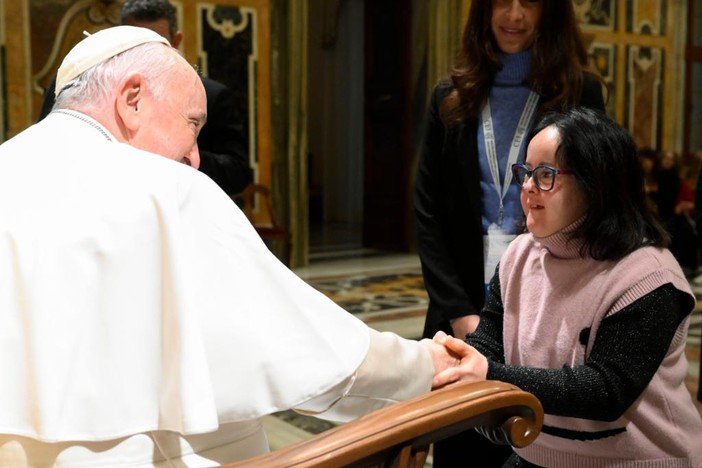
(92, 88)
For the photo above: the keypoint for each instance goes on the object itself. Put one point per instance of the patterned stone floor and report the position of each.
(387, 293)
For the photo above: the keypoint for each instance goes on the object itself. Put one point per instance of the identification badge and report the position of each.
(494, 244)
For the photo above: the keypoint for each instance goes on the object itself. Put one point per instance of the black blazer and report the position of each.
(224, 148)
(448, 207)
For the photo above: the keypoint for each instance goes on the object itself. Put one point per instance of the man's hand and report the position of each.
(442, 358)
(472, 365)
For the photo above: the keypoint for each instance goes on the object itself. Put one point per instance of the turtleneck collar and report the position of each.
(515, 68)
(560, 244)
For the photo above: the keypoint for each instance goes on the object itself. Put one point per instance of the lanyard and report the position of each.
(489, 135)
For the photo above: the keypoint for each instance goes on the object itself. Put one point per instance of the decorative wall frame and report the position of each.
(647, 17)
(228, 50)
(634, 45)
(597, 15)
(603, 58)
(233, 46)
(644, 84)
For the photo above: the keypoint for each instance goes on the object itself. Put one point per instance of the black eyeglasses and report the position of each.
(544, 176)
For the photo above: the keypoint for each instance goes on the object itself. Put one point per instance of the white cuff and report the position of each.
(394, 369)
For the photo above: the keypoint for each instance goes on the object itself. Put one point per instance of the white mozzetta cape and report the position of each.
(136, 296)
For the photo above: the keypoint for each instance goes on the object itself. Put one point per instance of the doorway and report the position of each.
(335, 126)
(359, 160)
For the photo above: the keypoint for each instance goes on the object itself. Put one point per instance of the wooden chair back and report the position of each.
(400, 435)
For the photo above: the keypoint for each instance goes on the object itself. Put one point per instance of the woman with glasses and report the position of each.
(518, 59)
(589, 310)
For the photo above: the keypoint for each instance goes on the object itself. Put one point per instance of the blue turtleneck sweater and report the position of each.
(508, 97)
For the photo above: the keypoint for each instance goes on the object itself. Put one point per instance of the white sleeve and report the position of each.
(394, 369)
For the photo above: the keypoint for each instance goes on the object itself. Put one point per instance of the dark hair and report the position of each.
(559, 59)
(605, 160)
(150, 11)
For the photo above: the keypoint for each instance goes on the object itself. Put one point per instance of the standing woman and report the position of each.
(518, 59)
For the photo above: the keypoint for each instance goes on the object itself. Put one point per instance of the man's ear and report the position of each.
(177, 39)
(130, 100)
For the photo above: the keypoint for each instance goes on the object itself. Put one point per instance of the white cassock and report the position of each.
(140, 313)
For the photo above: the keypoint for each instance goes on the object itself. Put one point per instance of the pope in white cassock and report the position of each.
(142, 320)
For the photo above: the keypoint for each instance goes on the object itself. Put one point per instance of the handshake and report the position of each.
(454, 360)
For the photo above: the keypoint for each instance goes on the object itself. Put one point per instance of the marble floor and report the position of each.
(386, 291)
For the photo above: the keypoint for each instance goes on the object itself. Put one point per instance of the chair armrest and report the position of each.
(400, 434)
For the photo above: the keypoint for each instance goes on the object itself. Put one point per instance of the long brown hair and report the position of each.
(559, 60)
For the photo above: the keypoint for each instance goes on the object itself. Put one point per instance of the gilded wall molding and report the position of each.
(98, 14)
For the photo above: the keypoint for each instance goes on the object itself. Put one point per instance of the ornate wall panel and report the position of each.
(644, 86)
(56, 26)
(598, 15)
(603, 58)
(647, 17)
(637, 51)
(233, 48)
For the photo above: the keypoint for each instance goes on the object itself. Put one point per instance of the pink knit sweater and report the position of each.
(550, 294)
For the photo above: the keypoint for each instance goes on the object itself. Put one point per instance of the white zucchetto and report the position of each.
(100, 46)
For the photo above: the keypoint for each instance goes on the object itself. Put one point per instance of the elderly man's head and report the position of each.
(142, 90)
